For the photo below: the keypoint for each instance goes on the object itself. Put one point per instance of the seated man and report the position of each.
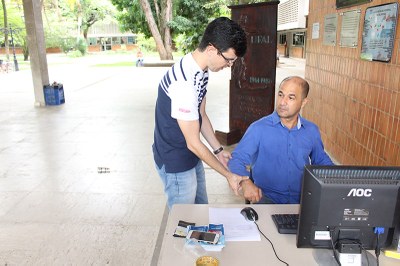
(276, 148)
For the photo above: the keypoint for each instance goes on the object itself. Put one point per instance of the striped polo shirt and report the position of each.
(180, 94)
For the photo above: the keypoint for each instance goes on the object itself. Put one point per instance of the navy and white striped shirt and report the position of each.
(180, 94)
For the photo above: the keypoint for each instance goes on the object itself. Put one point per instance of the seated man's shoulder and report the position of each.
(263, 121)
(308, 123)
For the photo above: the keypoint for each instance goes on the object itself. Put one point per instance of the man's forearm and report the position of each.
(208, 133)
(208, 157)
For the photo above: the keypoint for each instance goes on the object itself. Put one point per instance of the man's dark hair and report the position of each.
(223, 34)
(305, 87)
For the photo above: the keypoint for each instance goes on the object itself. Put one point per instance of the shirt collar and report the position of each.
(276, 120)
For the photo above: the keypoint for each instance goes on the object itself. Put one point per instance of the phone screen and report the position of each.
(203, 236)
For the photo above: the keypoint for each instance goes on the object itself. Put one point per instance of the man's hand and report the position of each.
(224, 158)
(235, 181)
(251, 192)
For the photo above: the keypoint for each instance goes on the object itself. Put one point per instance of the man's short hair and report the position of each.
(224, 33)
(305, 87)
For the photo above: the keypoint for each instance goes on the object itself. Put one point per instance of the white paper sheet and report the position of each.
(235, 225)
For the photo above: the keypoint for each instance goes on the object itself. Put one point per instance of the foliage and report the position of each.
(15, 21)
(93, 11)
(61, 19)
(131, 17)
(67, 44)
(190, 20)
(81, 46)
(56, 33)
(146, 44)
(76, 53)
(190, 17)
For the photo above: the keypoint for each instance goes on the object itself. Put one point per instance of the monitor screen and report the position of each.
(348, 203)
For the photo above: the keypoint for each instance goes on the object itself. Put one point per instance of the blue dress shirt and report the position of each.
(277, 156)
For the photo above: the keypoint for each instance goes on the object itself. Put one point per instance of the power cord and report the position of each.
(333, 249)
(378, 231)
(366, 254)
(273, 248)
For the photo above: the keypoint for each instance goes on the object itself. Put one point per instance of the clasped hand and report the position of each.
(250, 191)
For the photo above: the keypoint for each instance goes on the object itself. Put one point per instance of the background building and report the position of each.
(292, 27)
(107, 36)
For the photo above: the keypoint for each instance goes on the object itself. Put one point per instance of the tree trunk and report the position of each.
(157, 14)
(167, 31)
(85, 32)
(25, 49)
(6, 42)
(153, 29)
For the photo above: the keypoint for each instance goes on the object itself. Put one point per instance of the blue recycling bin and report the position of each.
(54, 94)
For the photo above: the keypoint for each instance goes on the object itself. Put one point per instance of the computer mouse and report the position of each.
(249, 214)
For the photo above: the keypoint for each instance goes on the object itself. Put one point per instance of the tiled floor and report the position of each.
(56, 208)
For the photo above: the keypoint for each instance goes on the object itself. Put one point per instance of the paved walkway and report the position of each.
(56, 207)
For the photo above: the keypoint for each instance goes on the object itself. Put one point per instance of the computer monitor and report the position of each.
(349, 202)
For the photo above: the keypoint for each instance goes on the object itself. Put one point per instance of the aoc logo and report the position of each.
(360, 192)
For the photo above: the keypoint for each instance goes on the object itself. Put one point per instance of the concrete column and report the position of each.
(37, 48)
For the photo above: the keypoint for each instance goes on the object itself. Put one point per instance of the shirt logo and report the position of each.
(184, 110)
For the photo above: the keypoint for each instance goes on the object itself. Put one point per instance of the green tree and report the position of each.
(185, 24)
(93, 11)
(150, 18)
(191, 20)
(5, 24)
(13, 18)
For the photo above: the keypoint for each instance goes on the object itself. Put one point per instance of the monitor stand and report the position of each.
(325, 257)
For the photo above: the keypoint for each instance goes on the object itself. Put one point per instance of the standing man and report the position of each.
(180, 116)
(277, 147)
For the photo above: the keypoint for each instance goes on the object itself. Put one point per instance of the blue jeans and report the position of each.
(187, 187)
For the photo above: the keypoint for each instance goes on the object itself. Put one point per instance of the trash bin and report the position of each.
(54, 94)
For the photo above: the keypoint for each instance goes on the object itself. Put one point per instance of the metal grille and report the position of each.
(353, 176)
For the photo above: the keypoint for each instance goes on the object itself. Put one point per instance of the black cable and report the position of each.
(273, 248)
(366, 254)
(333, 249)
(377, 249)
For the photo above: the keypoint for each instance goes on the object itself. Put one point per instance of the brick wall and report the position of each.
(356, 103)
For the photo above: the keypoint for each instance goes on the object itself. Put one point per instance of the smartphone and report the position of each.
(207, 237)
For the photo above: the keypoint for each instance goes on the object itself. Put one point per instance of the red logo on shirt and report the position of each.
(184, 110)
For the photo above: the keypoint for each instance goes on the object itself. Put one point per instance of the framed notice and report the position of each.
(350, 28)
(347, 3)
(379, 32)
(330, 26)
(315, 31)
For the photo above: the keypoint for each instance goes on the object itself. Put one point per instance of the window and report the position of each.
(116, 40)
(131, 39)
(282, 39)
(92, 41)
(298, 38)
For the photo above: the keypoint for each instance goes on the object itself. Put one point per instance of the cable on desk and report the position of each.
(273, 248)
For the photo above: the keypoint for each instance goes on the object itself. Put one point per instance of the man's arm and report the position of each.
(191, 132)
(208, 133)
(243, 158)
(318, 155)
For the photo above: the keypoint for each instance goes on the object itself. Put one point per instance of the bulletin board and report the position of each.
(379, 32)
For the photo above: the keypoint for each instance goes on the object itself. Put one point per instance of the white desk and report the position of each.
(174, 252)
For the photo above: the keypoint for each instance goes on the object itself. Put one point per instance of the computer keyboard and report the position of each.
(286, 223)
